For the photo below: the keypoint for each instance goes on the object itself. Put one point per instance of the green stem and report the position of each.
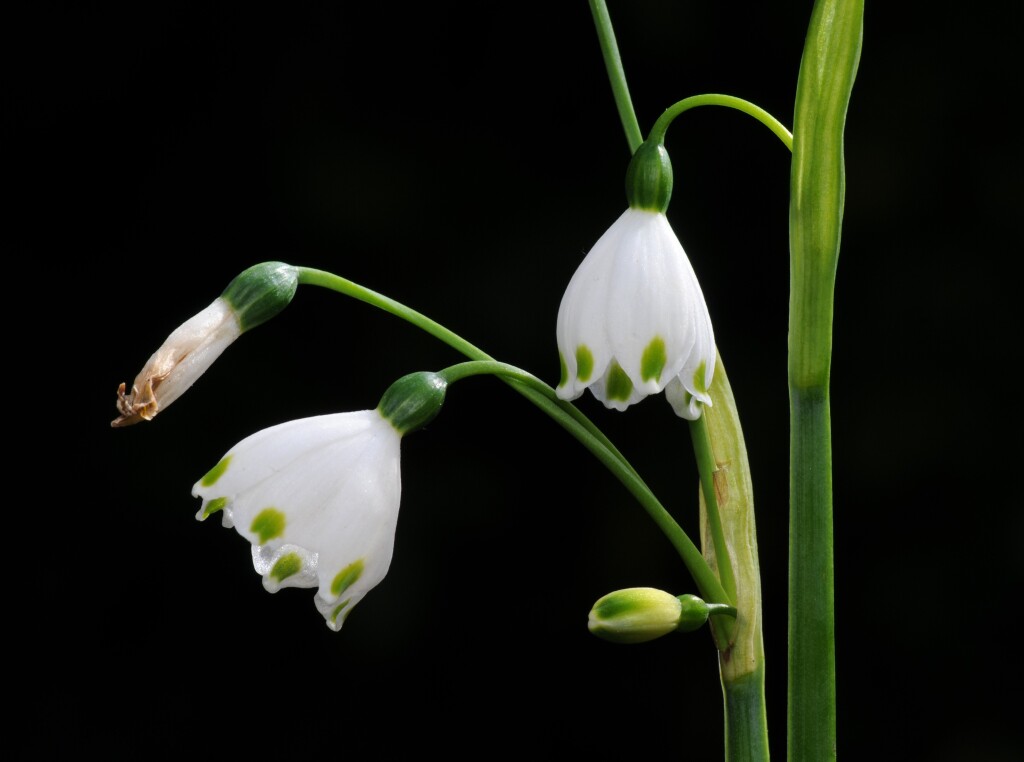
(544, 397)
(616, 74)
(707, 466)
(729, 101)
(746, 724)
(817, 189)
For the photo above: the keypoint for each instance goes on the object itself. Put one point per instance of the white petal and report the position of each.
(190, 350)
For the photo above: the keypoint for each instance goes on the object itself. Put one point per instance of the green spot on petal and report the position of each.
(217, 504)
(653, 360)
(216, 472)
(268, 524)
(584, 362)
(698, 378)
(286, 566)
(347, 577)
(612, 606)
(563, 372)
(334, 614)
(619, 387)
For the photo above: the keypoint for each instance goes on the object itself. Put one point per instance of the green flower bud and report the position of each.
(649, 178)
(635, 615)
(693, 613)
(260, 292)
(412, 401)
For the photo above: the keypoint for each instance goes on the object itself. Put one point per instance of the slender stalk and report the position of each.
(715, 99)
(313, 277)
(565, 414)
(616, 74)
(707, 466)
(827, 71)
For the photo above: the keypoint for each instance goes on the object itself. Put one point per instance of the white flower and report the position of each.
(318, 499)
(633, 320)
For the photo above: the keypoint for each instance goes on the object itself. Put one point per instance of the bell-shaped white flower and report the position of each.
(633, 320)
(318, 499)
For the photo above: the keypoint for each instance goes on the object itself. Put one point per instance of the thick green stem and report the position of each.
(817, 189)
(746, 726)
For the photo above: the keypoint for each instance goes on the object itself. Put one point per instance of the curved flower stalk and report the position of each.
(633, 320)
(318, 497)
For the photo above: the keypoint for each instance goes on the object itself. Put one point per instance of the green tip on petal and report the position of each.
(698, 378)
(619, 386)
(216, 472)
(584, 362)
(563, 371)
(215, 505)
(286, 566)
(652, 363)
(334, 614)
(347, 577)
(268, 524)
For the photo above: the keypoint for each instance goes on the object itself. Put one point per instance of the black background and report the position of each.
(461, 158)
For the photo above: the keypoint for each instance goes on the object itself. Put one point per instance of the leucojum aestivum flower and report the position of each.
(633, 320)
(318, 498)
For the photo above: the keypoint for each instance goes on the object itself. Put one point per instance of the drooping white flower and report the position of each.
(254, 296)
(633, 320)
(318, 499)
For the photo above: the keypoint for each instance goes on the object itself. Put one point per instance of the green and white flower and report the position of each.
(318, 499)
(633, 320)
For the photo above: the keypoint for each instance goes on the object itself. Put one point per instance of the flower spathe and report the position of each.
(633, 320)
(252, 297)
(318, 499)
(186, 354)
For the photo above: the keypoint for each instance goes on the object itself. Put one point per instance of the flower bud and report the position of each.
(635, 615)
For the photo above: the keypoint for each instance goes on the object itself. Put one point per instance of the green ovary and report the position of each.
(652, 362)
(619, 387)
(347, 577)
(268, 524)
